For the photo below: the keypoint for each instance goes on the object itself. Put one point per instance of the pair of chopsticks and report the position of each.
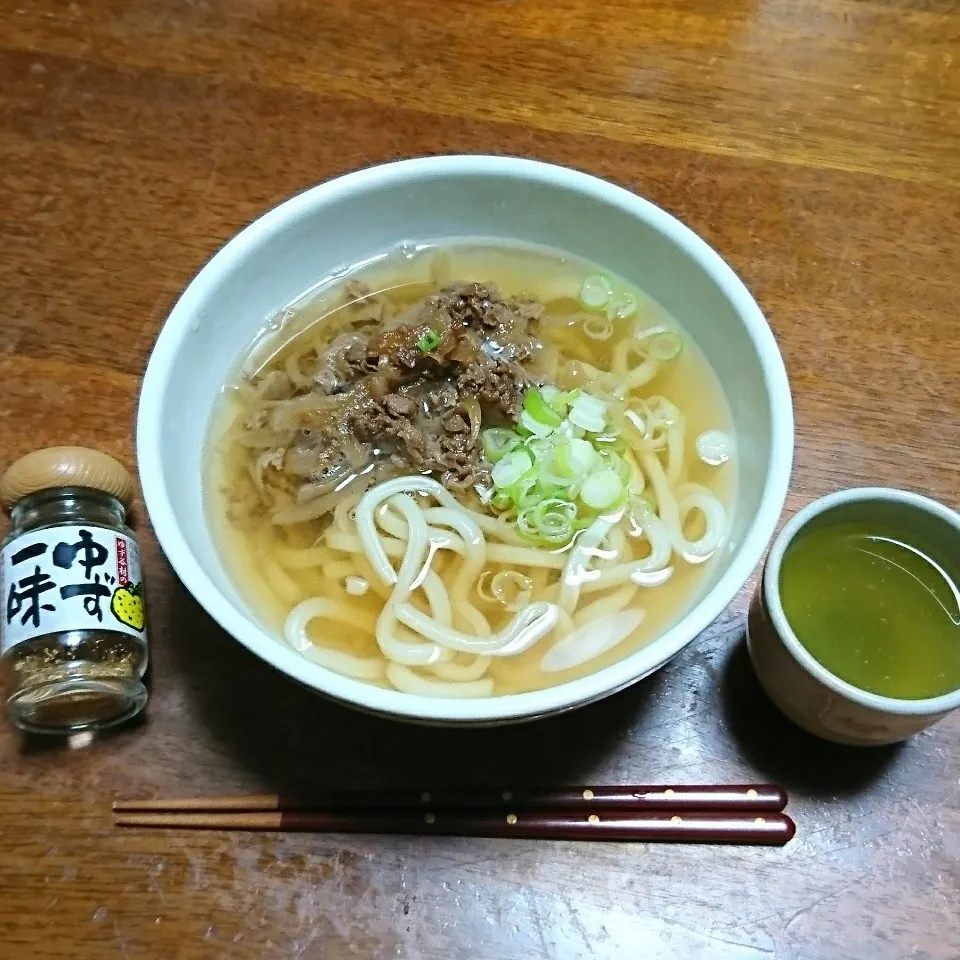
(737, 814)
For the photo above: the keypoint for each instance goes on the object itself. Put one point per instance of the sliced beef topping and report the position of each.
(399, 406)
(496, 384)
(455, 423)
(414, 386)
(436, 440)
(360, 360)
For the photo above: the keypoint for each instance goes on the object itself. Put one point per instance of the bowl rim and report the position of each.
(510, 707)
(778, 617)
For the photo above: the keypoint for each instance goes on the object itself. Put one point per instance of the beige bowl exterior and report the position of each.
(802, 688)
(812, 705)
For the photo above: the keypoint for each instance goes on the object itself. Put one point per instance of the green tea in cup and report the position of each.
(854, 631)
(875, 605)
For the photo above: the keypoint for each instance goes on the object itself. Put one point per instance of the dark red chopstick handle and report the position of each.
(761, 797)
(774, 829)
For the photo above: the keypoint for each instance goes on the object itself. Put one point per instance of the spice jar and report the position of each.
(74, 638)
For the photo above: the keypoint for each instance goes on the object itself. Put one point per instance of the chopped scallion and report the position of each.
(561, 465)
(550, 529)
(666, 346)
(601, 489)
(610, 441)
(497, 443)
(588, 413)
(537, 405)
(575, 458)
(613, 461)
(714, 447)
(510, 469)
(534, 426)
(554, 517)
(596, 291)
(622, 307)
(429, 341)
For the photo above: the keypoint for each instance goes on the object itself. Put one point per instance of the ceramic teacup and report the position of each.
(809, 694)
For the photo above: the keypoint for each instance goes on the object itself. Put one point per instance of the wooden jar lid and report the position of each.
(65, 467)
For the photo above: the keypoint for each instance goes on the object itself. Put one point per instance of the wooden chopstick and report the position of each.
(716, 798)
(772, 829)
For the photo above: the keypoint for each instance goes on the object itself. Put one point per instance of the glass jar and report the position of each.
(74, 638)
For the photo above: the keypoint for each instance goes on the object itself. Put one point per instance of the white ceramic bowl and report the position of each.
(365, 213)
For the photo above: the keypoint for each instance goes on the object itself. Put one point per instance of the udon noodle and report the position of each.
(491, 519)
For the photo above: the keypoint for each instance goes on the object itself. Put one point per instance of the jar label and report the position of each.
(70, 577)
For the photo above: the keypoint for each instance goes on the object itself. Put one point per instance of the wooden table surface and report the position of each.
(814, 143)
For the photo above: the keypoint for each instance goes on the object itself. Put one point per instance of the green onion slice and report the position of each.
(575, 458)
(497, 443)
(601, 489)
(537, 405)
(560, 466)
(588, 413)
(665, 346)
(596, 291)
(429, 341)
(510, 469)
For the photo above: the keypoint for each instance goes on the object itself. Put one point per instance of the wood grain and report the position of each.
(815, 143)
